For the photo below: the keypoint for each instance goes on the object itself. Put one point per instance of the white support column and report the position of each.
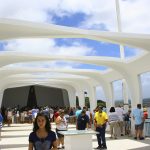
(108, 89)
(81, 97)
(134, 88)
(72, 97)
(122, 55)
(92, 98)
(125, 94)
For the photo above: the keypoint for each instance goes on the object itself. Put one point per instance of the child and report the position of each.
(42, 138)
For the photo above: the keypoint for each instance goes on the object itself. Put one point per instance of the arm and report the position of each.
(30, 147)
(88, 123)
(95, 124)
(106, 119)
(54, 145)
(91, 118)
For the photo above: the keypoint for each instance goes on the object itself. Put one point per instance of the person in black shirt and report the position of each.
(82, 121)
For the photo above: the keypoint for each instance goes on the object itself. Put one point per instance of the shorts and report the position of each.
(58, 134)
(139, 126)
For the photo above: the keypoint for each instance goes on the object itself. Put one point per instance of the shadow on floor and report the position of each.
(3, 130)
(13, 146)
(12, 136)
(141, 148)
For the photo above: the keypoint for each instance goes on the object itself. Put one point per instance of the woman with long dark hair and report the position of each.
(42, 138)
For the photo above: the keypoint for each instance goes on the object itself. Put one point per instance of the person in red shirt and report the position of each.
(145, 113)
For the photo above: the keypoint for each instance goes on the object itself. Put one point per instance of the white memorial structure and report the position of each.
(75, 81)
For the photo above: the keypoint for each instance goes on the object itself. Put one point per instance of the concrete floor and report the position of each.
(15, 137)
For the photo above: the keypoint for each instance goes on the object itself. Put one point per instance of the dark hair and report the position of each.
(79, 108)
(83, 112)
(47, 126)
(61, 111)
(112, 109)
(139, 106)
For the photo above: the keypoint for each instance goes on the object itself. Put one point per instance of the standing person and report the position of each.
(9, 116)
(89, 114)
(120, 113)
(145, 113)
(82, 121)
(113, 122)
(61, 125)
(78, 111)
(138, 118)
(100, 120)
(51, 114)
(42, 138)
(127, 123)
(17, 117)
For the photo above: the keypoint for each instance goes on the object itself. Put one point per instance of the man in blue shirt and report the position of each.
(139, 124)
(82, 121)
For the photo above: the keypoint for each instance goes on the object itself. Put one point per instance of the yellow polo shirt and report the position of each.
(100, 118)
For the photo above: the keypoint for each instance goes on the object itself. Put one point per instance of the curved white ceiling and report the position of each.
(20, 29)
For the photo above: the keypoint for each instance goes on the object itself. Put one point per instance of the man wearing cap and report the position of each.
(100, 120)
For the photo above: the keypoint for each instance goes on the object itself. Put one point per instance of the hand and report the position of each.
(98, 126)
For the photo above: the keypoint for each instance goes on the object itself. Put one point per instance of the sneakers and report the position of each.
(99, 147)
(141, 138)
(63, 147)
(104, 147)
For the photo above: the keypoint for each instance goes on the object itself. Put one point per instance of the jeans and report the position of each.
(101, 136)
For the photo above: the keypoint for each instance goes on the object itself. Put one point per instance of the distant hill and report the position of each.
(146, 102)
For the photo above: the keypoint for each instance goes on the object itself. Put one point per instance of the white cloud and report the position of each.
(30, 45)
(135, 16)
(49, 47)
(32, 10)
(102, 16)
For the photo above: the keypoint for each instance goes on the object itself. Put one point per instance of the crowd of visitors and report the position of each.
(116, 118)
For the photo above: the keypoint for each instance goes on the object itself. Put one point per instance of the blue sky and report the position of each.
(73, 20)
(86, 14)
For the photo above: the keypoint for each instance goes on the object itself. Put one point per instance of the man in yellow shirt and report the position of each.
(100, 120)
